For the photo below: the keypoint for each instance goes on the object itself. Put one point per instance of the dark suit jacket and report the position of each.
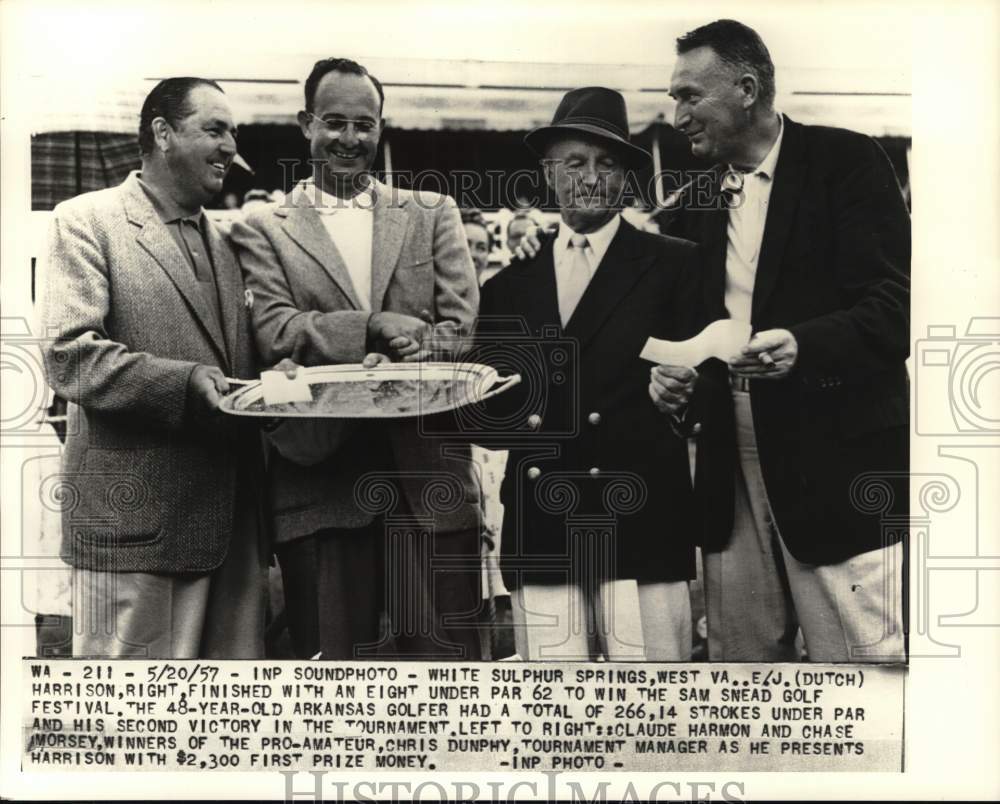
(601, 455)
(834, 270)
(146, 488)
(305, 308)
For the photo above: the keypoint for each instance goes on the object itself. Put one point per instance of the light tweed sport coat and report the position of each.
(146, 487)
(305, 308)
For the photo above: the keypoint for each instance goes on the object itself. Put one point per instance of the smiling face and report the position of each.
(479, 245)
(588, 179)
(712, 106)
(343, 152)
(200, 150)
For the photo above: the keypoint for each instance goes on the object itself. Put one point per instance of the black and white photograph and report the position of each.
(597, 398)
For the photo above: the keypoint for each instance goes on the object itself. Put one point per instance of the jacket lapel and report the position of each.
(536, 296)
(713, 246)
(229, 283)
(154, 238)
(620, 269)
(388, 232)
(789, 177)
(304, 226)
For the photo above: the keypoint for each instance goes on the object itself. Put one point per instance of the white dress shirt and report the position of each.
(597, 247)
(349, 223)
(745, 233)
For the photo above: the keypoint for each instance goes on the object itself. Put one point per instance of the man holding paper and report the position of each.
(345, 267)
(599, 519)
(807, 239)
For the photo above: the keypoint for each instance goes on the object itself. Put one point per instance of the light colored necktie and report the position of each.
(577, 278)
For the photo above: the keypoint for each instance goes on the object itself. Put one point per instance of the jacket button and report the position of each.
(534, 421)
(534, 473)
(595, 472)
(594, 418)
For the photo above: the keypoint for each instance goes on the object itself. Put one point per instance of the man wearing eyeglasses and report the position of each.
(349, 266)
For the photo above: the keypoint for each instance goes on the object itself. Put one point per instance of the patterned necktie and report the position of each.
(577, 278)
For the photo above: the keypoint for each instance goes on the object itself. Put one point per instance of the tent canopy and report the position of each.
(494, 96)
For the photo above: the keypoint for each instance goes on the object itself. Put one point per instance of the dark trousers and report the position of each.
(342, 586)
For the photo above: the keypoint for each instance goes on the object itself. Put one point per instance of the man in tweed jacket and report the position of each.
(146, 314)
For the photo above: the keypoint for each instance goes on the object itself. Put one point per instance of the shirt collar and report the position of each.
(167, 209)
(598, 241)
(327, 204)
(770, 162)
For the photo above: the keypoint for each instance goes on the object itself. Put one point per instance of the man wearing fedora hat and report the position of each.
(599, 520)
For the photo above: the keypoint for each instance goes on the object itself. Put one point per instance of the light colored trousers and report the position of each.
(623, 620)
(757, 595)
(216, 615)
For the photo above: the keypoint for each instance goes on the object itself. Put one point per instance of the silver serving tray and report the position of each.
(387, 391)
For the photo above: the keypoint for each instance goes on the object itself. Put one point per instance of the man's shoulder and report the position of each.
(265, 216)
(833, 143)
(666, 245)
(416, 199)
(95, 204)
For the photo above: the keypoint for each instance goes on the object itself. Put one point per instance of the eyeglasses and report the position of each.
(336, 126)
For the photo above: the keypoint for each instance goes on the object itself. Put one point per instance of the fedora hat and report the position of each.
(595, 111)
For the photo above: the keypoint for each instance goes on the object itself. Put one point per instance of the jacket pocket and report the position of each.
(866, 413)
(117, 496)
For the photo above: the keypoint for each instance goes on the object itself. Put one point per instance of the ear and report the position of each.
(304, 119)
(749, 89)
(161, 133)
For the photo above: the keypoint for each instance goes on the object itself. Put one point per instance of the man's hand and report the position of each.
(670, 387)
(373, 359)
(287, 365)
(400, 334)
(441, 344)
(770, 355)
(205, 389)
(531, 243)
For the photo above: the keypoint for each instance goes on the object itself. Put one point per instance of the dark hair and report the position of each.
(737, 45)
(473, 215)
(169, 100)
(332, 65)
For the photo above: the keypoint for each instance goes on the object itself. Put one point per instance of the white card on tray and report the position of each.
(278, 388)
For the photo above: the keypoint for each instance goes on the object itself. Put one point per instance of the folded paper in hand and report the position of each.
(722, 339)
(277, 388)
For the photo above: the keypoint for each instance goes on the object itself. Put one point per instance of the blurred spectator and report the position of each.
(255, 198)
(480, 240)
(230, 201)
